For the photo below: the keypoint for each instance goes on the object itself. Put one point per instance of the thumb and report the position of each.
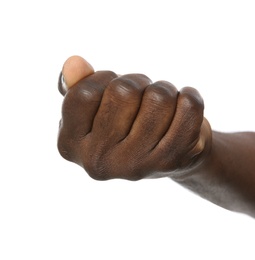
(74, 69)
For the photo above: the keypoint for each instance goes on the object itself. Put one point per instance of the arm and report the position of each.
(128, 127)
(227, 175)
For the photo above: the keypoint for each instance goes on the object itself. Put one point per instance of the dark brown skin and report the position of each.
(128, 127)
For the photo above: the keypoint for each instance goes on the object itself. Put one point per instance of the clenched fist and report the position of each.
(129, 127)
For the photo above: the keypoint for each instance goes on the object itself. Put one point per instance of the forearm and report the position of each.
(227, 176)
(135, 129)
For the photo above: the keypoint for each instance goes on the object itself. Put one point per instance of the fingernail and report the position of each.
(62, 87)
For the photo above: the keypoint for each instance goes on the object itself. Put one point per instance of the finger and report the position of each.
(80, 106)
(74, 69)
(204, 138)
(183, 134)
(155, 114)
(119, 107)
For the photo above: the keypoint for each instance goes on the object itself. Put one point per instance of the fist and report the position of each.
(131, 128)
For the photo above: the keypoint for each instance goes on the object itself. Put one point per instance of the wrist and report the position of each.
(200, 156)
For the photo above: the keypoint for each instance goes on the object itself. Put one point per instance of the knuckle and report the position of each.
(191, 99)
(98, 175)
(128, 87)
(124, 88)
(102, 77)
(88, 90)
(106, 166)
(94, 163)
(137, 78)
(96, 172)
(161, 93)
(90, 94)
(77, 101)
(85, 93)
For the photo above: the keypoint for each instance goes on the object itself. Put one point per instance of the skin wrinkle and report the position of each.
(136, 114)
(138, 129)
(93, 87)
(169, 127)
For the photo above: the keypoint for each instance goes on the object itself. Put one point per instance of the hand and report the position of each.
(128, 127)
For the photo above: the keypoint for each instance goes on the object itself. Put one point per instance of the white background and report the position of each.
(50, 208)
